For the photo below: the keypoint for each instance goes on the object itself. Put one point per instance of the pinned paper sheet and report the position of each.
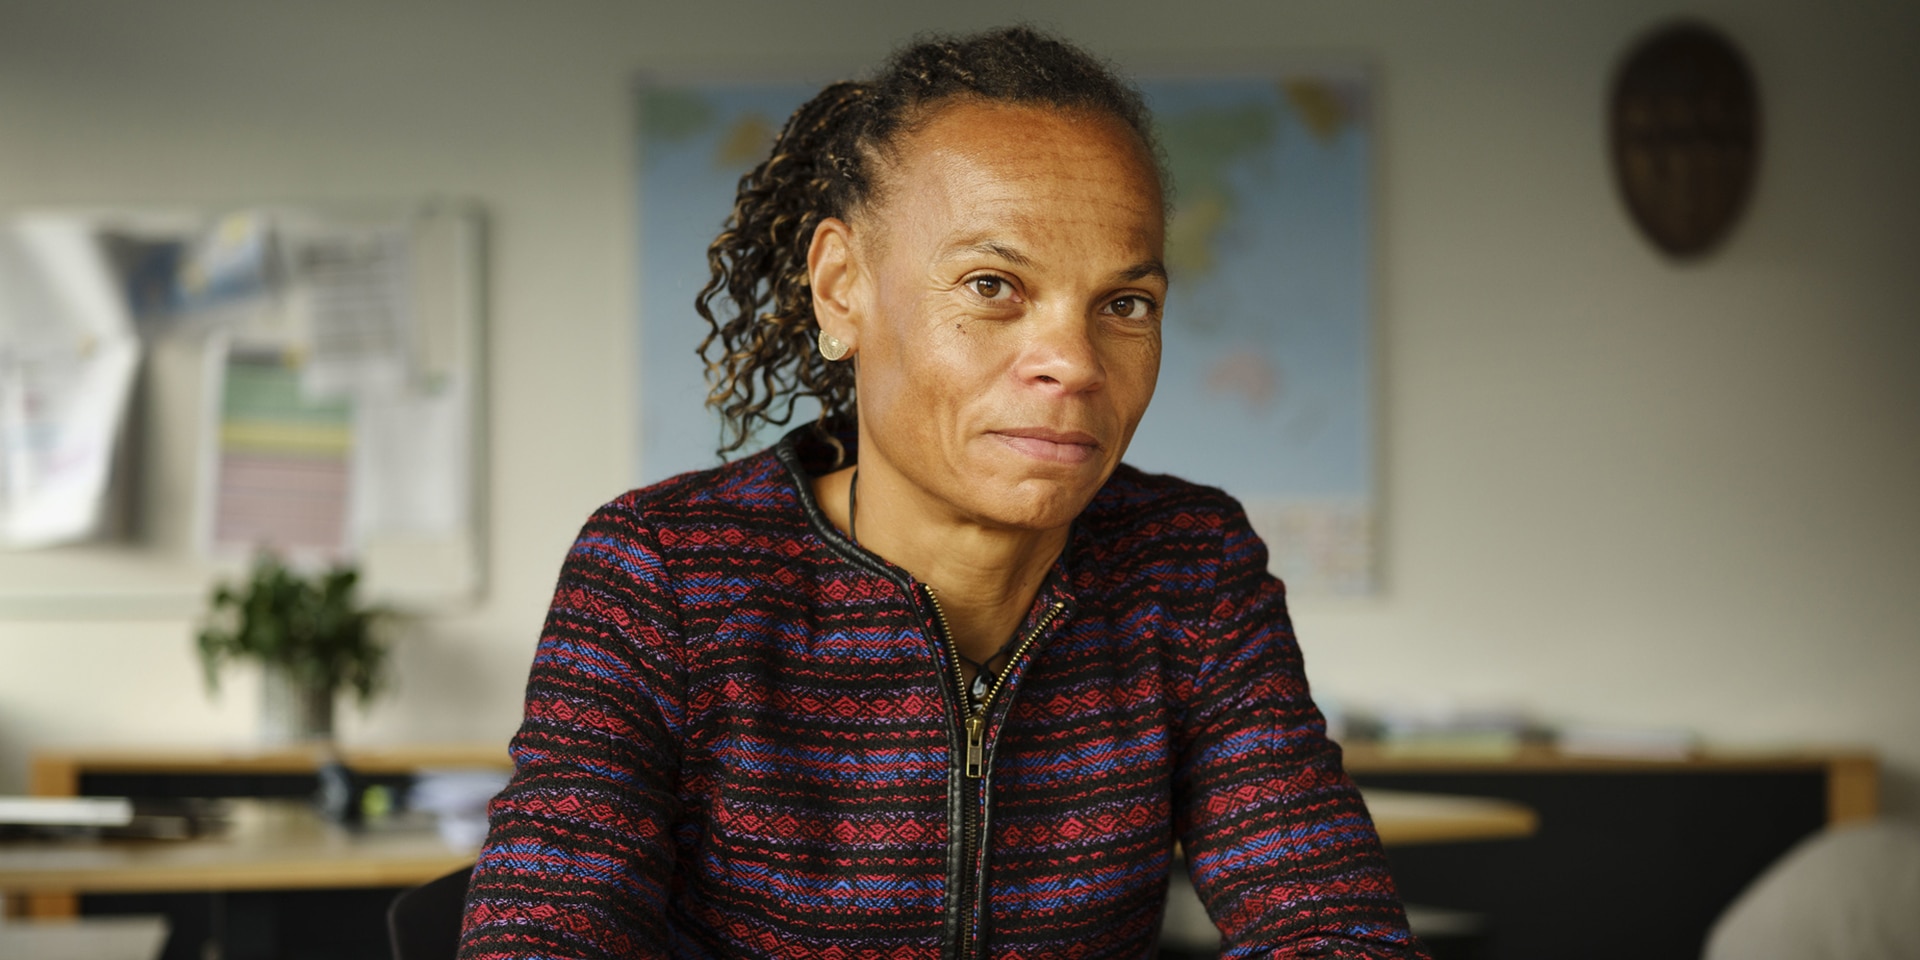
(283, 461)
(351, 295)
(67, 363)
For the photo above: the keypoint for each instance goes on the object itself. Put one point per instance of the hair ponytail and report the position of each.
(759, 267)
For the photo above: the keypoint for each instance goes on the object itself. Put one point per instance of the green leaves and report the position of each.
(313, 627)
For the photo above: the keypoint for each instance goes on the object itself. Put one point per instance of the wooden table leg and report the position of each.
(51, 906)
(50, 776)
(1853, 789)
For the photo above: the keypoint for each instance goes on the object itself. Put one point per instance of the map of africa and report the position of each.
(1266, 386)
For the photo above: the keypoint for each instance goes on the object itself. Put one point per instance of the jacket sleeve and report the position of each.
(1279, 845)
(579, 849)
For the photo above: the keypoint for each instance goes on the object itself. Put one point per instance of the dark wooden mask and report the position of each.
(1686, 137)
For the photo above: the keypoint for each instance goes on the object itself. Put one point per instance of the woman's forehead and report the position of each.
(978, 169)
(1019, 139)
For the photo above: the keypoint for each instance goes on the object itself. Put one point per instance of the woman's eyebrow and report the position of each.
(1145, 269)
(991, 248)
(994, 248)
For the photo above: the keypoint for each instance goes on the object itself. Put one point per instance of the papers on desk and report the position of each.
(1444, 730)
(66, 811)
(458, 800)
(1626, 743)
(117, 817)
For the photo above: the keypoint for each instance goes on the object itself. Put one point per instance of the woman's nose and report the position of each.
(1061, 355)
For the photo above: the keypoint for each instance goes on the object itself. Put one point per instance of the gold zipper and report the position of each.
(953, 651)
(1038, 628)
(976, 744)
(976, 721)
(976, 728)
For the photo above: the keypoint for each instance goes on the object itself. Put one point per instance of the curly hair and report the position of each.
(760, 356)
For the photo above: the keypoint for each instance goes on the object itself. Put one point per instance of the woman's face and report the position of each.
(1003, 296)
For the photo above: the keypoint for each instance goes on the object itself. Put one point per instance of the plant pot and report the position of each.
(293, 712)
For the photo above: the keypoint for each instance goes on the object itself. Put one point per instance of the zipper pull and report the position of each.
(976, 745)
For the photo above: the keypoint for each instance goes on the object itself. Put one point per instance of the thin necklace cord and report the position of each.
(983, 676)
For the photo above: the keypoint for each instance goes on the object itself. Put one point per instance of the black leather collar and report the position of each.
(806, 453)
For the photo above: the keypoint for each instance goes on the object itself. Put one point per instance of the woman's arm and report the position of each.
(1280, 846)
(580, 847)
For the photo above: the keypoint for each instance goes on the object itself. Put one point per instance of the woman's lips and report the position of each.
(1052, 446)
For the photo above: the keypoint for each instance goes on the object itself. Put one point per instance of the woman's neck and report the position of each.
(985, 578)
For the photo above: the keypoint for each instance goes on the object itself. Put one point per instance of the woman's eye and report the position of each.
(1132, 308)
(992, 288)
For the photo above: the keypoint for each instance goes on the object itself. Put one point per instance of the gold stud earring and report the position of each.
(832, 347)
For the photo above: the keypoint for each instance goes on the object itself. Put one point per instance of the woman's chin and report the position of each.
(1033, 503)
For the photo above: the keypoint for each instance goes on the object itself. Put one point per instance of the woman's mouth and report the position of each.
(1052, 446)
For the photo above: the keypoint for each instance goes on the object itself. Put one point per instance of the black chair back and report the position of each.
(424, 923)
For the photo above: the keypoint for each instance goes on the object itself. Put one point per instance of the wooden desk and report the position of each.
(1851, 777)
(1637, 857)
(1404, 818)
(280, 845)
(1684, 835)
(272, 845)
(62, 773)
(72, 772)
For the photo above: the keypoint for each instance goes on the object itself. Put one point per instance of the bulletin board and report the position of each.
(184, 388)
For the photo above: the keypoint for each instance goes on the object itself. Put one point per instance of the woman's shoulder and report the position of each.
(1160, 539)
(1133, 496)
(1146, 520)
(752, 491)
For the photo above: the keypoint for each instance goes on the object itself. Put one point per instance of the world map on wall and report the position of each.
(1266, 386)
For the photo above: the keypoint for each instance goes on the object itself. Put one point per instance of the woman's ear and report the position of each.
(834, 272)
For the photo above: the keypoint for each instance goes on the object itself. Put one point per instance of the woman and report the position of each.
(940, 678)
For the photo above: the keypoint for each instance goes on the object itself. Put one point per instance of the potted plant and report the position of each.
(311, 636)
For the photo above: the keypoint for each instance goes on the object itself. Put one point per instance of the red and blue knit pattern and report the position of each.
(739, 741)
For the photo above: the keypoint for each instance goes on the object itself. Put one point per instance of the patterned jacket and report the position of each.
(744, 736)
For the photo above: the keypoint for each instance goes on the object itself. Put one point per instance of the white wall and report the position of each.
(1616, 490)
